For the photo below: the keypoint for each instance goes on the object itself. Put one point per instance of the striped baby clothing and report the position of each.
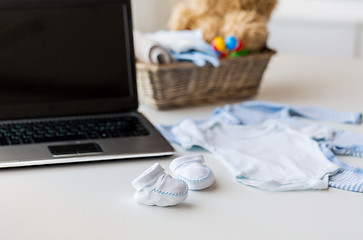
(348, 178)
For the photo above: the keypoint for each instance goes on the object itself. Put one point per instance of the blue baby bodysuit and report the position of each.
(332, 141)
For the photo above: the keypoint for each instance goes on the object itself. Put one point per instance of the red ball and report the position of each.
(240, 46)
(223, 55)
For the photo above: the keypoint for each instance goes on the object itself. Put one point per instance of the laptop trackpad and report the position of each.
(75, 149)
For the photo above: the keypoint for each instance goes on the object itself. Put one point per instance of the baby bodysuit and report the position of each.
(271, 156)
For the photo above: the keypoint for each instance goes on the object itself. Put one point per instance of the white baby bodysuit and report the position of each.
(270, 156)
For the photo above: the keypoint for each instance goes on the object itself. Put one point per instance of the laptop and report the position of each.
(68, 84)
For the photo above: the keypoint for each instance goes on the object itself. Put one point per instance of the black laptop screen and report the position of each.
(65, 59)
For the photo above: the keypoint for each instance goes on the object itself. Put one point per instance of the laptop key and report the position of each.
(103, 135)
(26, 140)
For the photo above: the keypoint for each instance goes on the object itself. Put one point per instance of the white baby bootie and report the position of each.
(155, 187)
(192, 170)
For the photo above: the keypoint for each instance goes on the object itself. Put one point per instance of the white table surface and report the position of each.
(95, 200)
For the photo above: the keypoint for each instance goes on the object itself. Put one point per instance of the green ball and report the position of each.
(243, 52)
(233, 54)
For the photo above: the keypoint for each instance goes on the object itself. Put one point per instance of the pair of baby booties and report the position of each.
(155, 187)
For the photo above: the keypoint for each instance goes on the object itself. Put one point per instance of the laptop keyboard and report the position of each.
(68, 130)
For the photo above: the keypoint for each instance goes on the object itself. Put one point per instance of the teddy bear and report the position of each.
(245, 19)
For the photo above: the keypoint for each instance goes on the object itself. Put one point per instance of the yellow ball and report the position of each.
(219, 44)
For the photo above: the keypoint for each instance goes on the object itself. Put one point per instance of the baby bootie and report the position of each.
(192, 170)
(155, 187)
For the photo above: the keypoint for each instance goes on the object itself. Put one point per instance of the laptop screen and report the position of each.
(66, 58)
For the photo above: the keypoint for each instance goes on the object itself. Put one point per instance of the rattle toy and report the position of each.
(230, 44)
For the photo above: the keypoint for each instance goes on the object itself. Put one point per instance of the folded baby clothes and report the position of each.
(186, 45)
(198, 58)
(182, 41)
(154, 187)
(149, 51)
(193, 171)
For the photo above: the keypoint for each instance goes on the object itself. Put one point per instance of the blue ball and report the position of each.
(231, 42)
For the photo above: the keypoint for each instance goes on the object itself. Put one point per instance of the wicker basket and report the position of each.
(185, 84)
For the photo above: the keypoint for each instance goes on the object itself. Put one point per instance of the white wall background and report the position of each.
(151, 15)
(332, 28)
